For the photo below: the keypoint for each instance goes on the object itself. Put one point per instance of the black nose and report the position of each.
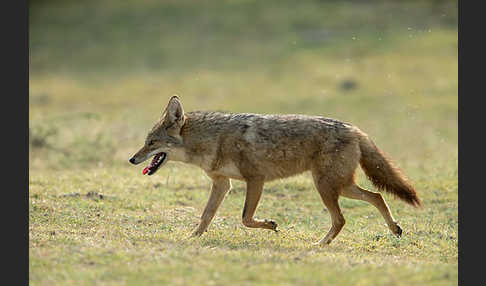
(132, 160)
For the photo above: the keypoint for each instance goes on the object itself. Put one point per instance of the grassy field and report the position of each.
(101, 73)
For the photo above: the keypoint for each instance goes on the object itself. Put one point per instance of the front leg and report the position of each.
(221, 186)
(254, 189)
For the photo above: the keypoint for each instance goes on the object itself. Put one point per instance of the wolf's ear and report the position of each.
(174, 113)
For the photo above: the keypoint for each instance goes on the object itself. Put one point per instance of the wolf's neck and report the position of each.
(178, 154)
(201, 135)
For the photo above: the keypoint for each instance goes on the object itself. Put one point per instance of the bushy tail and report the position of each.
(383, 174)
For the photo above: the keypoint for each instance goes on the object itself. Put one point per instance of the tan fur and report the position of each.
(259, 148)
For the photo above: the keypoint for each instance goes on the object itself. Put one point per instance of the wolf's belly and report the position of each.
(229, 170)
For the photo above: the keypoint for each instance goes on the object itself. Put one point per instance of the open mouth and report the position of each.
(157, 161)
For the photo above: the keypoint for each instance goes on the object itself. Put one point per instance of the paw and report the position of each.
(271, 224)
(325, 240)
(397, 231)
(197, 233)
(322, 242)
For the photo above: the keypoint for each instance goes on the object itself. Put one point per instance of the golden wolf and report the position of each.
(259, 148)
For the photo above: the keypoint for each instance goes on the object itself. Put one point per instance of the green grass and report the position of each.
(101, 73)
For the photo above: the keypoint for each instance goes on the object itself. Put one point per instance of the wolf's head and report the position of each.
(164, 139)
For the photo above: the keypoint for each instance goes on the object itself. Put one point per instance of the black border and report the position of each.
(14, 22)
(470, 130)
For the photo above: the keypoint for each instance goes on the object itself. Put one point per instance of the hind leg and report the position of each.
(331, 173)
(357, 193)
(329, 194)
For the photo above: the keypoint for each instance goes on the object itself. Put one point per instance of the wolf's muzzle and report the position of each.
(132, 160)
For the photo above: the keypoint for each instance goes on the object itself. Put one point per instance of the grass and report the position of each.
(102, 71)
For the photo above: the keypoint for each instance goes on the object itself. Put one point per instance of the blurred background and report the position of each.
(101, 72)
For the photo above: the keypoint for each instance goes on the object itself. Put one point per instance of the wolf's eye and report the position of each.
(151, 142)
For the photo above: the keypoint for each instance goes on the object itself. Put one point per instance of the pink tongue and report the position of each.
(145, 170)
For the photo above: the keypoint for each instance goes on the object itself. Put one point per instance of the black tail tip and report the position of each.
(415, 202)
